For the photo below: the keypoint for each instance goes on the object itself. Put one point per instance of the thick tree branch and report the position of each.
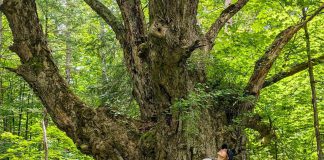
(135, 32)
(134, 22)
(108, 16)
(95, 131)
(226, 14)
(293, 70)
(255, 122)
(264, 64)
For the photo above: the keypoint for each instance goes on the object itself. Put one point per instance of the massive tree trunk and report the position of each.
(156, 57)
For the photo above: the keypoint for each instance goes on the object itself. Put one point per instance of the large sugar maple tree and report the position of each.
(156, 55)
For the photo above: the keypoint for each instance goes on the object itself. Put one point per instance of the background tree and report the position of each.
(312, 84)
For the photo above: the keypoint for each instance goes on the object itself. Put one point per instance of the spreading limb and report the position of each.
(108, 16)
(264, 64)
(293, 70)
(95, 131)
(226, 14)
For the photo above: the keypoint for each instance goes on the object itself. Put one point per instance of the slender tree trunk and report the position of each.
(27, 125)
(68, 56)
(1, 86)
(46, 19)
(9, 123)
(1, 74)
(22, 90)
(19, 121)
(1, 32)
(103, 52)
(68, 49)
(45, 120)
(5, 129)
(2, 90)
(13, 123)
(9, 95)
(276, 149)
(313, 89)
(44, 126)
(30, 124)
(230, 21)
(103, 58)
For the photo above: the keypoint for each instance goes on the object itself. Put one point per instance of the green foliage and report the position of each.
(285, 106)
(15, 147)
(60, 146)
(191, 108)
(288, 106)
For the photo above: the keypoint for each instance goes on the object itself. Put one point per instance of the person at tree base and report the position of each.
(225, 153)
(222, 154)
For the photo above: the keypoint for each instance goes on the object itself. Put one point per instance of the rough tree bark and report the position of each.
(156, 56)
